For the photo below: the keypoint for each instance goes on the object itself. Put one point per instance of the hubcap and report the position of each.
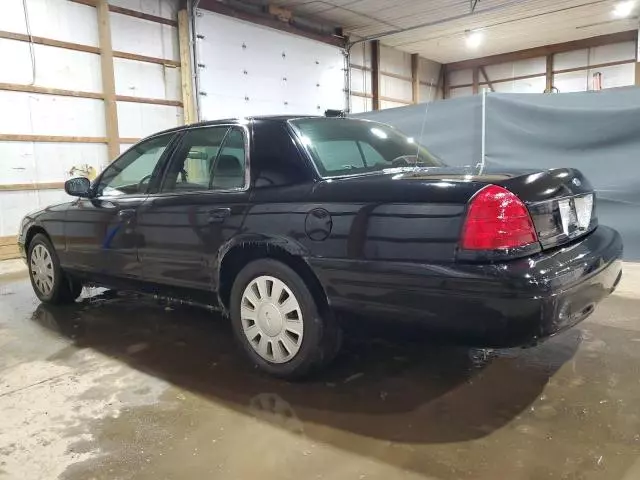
(271, 319)
(42, 269)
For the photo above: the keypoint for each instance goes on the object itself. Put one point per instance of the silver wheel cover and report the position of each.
(271, 319)
(41, 267)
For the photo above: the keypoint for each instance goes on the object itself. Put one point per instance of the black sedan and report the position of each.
(285, 222)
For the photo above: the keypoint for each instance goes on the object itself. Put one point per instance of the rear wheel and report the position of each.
(278, 321)
(50, 283)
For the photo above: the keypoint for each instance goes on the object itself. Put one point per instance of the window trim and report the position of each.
(247, 164)
(162, 162)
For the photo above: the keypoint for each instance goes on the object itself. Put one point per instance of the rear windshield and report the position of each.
(341, 146)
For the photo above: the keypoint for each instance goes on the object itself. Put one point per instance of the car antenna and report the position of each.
(424, 121)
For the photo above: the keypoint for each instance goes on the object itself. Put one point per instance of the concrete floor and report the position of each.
(120, 387)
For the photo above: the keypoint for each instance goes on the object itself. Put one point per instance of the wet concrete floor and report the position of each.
(122, 387)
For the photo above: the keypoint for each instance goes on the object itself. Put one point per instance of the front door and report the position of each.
(100, 230)
(201, 205)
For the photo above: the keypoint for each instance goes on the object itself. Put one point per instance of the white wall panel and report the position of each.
(27, 162)
(125, 146)
(384, 104)
(137, 120)
(573, 59)
(360, 81)
(15, 205)
(159, 8)
(428, 93)
(55, 67)
(360, 104)
(615, 76)
(38, 114)
(613, 53)
(396, 88)
(56, 19)
(143, 79)
(395, 61)
(460, 92)
(460, 77)
(361, 54)
(254, 70)
(530, 66)
(571, 81)
(429, 71)
(528, 85)
(143, 37)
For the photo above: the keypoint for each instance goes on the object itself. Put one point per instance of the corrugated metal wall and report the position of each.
(33, 163)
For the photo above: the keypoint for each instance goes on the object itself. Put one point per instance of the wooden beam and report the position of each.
(85, 48)
(502, 80)
(486, 78)
(361, 94)
(549, 73)
(8, 240)
(49, 91)
(375, 74)
(149, 101)
(272, 22)
(415, 78)
(545, 50)
(637, 74)
(108, 79)
(15, 187)
(186, 70)
(143, 58)
(9, 137)
(446, 82)
(49, 42)
(131, 13)
(475, 79)
(395, 100)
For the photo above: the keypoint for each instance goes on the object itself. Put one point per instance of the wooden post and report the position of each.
(186, 68)
(446, 88)
(108, 79)
(476, 80)
(549, 73)
(375, 74)
(415, 77)
(638, 58)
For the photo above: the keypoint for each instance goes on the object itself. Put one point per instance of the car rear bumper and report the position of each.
(502, 304)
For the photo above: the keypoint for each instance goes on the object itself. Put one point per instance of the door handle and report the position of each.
(218, 215)
(126, 214)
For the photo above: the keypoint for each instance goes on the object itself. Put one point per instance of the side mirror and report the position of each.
(77, 187)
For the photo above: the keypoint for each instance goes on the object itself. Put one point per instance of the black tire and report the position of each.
(322, 335)
(64, 289)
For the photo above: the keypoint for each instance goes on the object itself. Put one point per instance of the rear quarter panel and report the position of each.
(379, 220)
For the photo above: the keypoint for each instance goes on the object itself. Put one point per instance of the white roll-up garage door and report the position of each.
(248, 69)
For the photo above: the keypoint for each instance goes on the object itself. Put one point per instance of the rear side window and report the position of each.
(275, 159)
(209, 158)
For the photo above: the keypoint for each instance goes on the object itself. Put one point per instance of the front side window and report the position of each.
(346, 146)
(130, 174)
(211, 158)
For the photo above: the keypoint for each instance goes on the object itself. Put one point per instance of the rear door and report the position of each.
(200, 205)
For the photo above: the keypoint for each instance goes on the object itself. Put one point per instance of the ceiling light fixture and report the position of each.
(623, 9)
(473, 38)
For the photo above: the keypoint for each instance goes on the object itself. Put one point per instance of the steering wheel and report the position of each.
(141, 182)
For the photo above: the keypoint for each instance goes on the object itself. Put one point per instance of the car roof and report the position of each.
(243, 120)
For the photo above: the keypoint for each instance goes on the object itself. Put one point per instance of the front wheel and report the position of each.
(48, 280)
(278, 321)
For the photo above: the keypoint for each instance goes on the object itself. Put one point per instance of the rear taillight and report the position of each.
(497, 220)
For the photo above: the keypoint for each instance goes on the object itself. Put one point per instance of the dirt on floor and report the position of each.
(123, 387)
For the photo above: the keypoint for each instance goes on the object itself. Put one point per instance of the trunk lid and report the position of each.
(561, 201)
